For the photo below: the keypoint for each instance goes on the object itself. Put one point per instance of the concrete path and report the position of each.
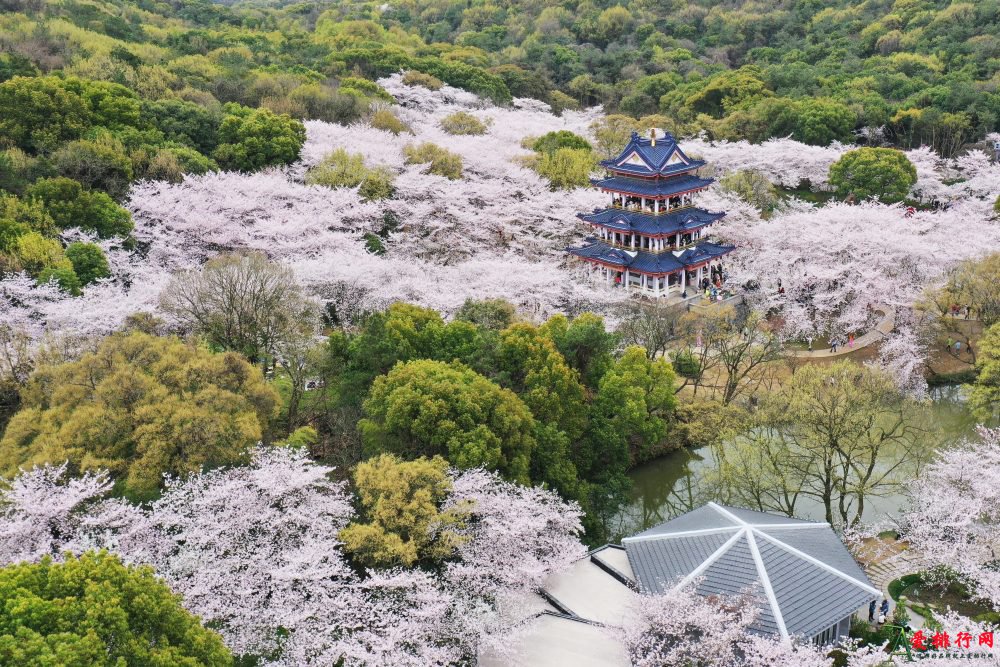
(881, 330)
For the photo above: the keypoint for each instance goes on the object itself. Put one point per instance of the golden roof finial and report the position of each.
(652, 136)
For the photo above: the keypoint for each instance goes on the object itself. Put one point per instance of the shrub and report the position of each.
(333, 106)
(442, 162)
(383, 119)
(366, 88)
(341, 169)
(414, 78)
(461, 122)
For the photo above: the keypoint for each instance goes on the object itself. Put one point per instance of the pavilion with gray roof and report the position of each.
(807, 583)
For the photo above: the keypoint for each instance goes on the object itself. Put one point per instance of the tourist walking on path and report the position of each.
(850, 340)
(871, 612)
(809, 339)
(883, 610)
(833, 345)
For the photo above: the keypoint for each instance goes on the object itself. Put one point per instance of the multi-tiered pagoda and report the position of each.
(652, 237)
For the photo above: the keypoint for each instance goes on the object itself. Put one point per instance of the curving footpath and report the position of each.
(881, 330)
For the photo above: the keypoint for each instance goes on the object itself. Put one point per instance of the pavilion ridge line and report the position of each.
(652, 238)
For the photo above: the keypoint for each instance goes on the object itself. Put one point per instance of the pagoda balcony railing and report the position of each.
(670, 248)
(649, 211)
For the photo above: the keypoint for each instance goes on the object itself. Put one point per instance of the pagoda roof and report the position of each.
(650, 262)
(646, 156)
(653, 188)
(686, 219)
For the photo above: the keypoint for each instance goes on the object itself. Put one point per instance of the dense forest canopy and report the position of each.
(926, 71)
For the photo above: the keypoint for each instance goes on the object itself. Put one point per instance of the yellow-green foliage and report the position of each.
(341, 169)
(93, 610)
(415, 78)
(384, 119)
(442, 162)
(566, 167)
(461, 122)
(140, 406)
(401, 504)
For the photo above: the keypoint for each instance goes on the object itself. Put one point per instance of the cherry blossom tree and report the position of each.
(41, 511)
(680, 627)
(254, 552)
(953, 520)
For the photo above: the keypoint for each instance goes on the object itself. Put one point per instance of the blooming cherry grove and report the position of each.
(254, 552)
(500, 231)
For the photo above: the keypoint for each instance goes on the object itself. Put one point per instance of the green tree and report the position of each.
(873, 172)
(92, 610)
(553, 141)
(70, 205)
(140, 406)
(490, 314)
(184, 122)
(402, 520)
(89, 262)
(752, 187)
(65, 277)
(635, 404)
(527, 360)
(99, 164)
(839, 435)
(430, 408)
(820, 121)
(612, 133)
(566, 168)
(985, 396)
(244, 303)
(585, 343)
(38, 113)
(250, 139)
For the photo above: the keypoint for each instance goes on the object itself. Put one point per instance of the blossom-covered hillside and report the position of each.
(500, 231)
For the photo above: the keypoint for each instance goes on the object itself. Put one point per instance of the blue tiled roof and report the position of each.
(650, 262)
(646, 223)
(654, 156)
(653, 188)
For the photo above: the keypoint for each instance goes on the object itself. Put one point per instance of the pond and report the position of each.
(676, 483)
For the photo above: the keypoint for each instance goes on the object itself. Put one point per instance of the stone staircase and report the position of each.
(882, 572)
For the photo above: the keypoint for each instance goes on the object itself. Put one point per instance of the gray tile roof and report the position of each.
(802, 575)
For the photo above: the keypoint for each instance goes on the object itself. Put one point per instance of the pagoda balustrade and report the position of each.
(652, 206)
(647, 243)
